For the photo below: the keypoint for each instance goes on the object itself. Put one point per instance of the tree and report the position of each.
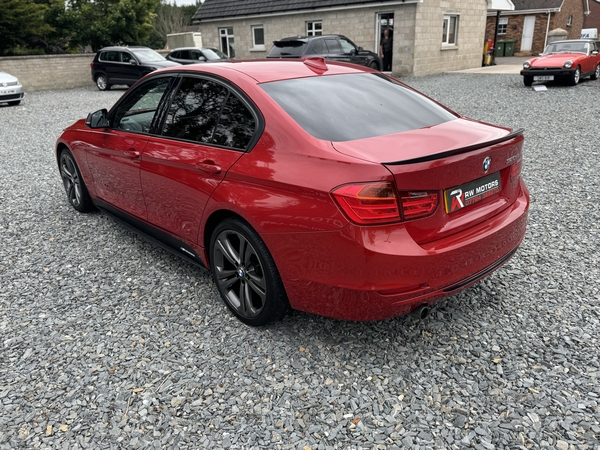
(22, 26)
(114, 22)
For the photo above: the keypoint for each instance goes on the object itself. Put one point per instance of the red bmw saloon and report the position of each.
(323, 187)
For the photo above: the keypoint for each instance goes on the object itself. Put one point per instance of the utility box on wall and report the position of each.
(190, 39)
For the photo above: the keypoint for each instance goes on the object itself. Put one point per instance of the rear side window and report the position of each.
(195, 109)
(288, 48)
(111, 56)
(333, 46)
(318, 47)
(207, 112)
(355, 106)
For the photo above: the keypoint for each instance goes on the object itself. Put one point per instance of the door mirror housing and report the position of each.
(133, 62)
(595, 53)
(202, 58)
(360, 49)
(97, 119)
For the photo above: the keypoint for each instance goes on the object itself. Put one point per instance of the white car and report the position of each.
(11, 91)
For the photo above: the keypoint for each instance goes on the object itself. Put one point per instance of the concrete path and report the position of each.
(507, 64)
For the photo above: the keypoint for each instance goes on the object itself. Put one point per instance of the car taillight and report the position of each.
(515, 171)
(92, 64)
(368, 203)
(416, 205)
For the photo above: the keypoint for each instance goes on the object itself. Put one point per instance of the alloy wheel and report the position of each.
(71, 179)
(101, 82)
(576, 76)
(240, 274)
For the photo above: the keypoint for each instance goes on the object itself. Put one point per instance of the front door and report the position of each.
(528, 27)
(385, 21)
(114, 154)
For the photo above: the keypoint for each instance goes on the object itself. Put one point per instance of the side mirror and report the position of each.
(360, 49)
(133, 62)
(202, 58)
(595, 53)
(97, 119)
(353, 52)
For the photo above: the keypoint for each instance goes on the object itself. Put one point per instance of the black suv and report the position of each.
(334, 47)
(125, 65)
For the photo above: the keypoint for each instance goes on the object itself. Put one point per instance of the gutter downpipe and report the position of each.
(547, 29)
(496, 38)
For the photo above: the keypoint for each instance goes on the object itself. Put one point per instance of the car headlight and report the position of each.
(568, 64)
(526, 65)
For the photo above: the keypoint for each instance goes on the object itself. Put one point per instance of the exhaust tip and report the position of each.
(421, 312)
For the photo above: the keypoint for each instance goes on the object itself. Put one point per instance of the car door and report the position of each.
(334, 50)
(352, 53)
(129, 69)
(114, 153)
(207, 128)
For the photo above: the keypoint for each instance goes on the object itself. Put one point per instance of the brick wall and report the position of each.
(47, 72)
(514, 31)
(593, 19)
(573, 8)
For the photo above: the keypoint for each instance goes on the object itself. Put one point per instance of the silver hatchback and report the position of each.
(11, 91)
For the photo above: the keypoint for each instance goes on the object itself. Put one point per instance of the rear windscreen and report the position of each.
(287, 49)
(355, 106)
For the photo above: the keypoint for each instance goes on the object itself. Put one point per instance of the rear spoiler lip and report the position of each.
(456, 151)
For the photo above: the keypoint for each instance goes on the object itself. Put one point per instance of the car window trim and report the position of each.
(232, 88)
(166, 94)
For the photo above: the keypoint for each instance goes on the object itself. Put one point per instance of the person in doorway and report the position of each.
(385, 50)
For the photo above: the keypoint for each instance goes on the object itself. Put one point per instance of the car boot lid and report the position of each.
(425, 144)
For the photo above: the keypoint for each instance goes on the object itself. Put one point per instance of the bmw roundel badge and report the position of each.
(487, 162)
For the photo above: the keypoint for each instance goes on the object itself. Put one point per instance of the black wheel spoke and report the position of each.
(227, 251)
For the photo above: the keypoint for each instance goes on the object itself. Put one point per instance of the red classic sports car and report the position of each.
(564, 60)
(324, 187)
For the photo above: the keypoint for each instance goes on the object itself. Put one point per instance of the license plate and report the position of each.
(467, 194)
(543, 78)
(12, 91)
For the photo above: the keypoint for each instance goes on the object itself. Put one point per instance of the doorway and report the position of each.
(385, 25)
(528, 28)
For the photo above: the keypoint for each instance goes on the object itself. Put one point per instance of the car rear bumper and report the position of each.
(374, 273)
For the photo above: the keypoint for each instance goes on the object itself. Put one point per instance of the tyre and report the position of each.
(102, 82)
(527, 80)
(596, 73)
(374, 65)
(574, 77)
(77, 192)
(246, 275)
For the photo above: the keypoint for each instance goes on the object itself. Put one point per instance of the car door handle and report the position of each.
(131, 153)
(209, 167)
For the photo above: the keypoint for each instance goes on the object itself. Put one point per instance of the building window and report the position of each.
(502, 25)
(258, 37)
(314, 28)
(569, 21)
(449, 36)
(227, 43)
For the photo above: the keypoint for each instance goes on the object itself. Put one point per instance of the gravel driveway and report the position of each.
(108, 342)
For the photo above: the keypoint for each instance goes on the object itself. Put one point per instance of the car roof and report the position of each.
(120, 47)
(573, 40)
(267, 70)
(192, 48)
(309, 38)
